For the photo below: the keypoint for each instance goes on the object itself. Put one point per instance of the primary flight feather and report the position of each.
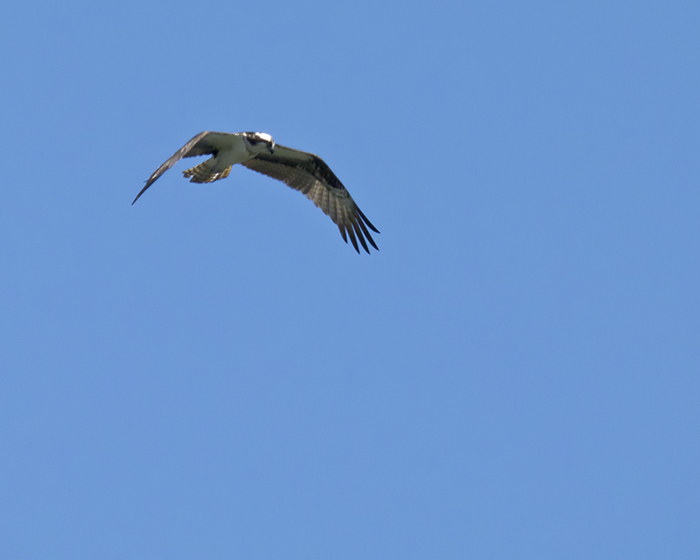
(302, 171)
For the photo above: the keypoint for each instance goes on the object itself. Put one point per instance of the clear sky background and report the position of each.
(212, 373)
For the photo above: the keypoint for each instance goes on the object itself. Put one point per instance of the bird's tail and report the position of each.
(204, 172)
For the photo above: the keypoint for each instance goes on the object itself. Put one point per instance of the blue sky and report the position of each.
(212, 373)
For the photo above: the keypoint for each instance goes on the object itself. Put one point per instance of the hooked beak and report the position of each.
(271, 147)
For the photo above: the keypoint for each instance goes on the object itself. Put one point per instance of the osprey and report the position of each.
(302, 171)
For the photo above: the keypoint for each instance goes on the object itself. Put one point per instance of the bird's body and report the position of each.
(302, 171)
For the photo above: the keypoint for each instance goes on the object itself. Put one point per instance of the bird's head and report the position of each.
(260, 141)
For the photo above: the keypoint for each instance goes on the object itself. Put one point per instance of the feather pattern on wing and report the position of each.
(202, 144)
(310, 175)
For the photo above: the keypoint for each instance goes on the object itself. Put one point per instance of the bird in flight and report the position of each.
(302, 171)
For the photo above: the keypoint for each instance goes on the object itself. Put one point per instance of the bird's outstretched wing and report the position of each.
(204, 143)
(309, 174)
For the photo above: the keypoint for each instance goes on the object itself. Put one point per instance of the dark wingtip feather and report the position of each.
(364, 218)
(358, 228)
(143, 190)
(367, 235)
(361, 238)
(351, 233)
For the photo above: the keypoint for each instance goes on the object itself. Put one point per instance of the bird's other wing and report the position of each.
(202, 144)
(309, 174)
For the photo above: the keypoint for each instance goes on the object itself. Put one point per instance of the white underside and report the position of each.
(233, 151)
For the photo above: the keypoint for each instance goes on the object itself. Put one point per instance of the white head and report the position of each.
(259, 142)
